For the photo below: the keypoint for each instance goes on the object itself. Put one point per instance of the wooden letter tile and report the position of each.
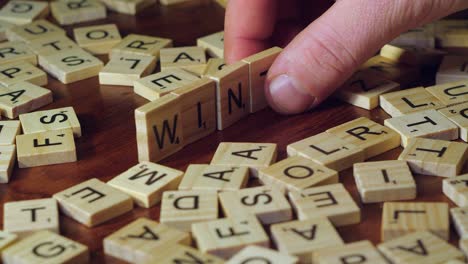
(225, 237)
(418, 56)
(93, 202)
(419, 247)
(332, 201)
(422, 37)
(192, 59)
(140, 45)
(364, 88)
(97, 39)
(45, 148)
(214, 65)
(139, 240)
(159, 128)
(71, 66)
(21, 98)
(4, 26)
(181, 209)
(451, 33)
(303, 238)
(156, 85)
(16, 52)
(452, 69)
(232, 94)
(259, 64)
(213, 44)
(198, 101)
(6, 239)
(124, 70)
(460, 221)
(456, 189)
(49, 45)
(252, 254)
(362, 252)
(391, 70)
(435, 157)
(25, 217)
(49, 120)
(458, 114)
(399, 219)
(252, 155)
(296, 174)
(328, 150)
(130, 7)
(268, 205)
(374, 138)
(37, 29)
(7, 162)
(382, 181)
(409, 101)
(8, 131)
(450, 93)
(46, 247)
(146, 182)
(424, 124)
(21, 12)
(68, 12)
(176, 253)
(13, 73)
(214, 177)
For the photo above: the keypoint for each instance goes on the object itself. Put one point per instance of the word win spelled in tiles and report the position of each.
(7, 162)
(93, 202)
(48, 120)
(177, 253)
(435, 157)
(362, 252)
(332, 201)
(139, 240)
(297, 173)
(23, 97)
(458, 114)
(304, 238)
(22, 12)
(456, 189)
(225, 237)
(140, 45)
(268, 205)
(146, 182)
(180, 209)
(97, 39)
(409, 101)
(214, 177)
(124, 70)
(384, 181)
(252, 254)
(399, 219)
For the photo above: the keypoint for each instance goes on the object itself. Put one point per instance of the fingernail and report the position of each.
(287, 97)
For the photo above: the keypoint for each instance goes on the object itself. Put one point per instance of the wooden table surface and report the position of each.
(108, 145)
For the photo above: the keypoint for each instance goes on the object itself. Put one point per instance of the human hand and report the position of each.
(320, 56)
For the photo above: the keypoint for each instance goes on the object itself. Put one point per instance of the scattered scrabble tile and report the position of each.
(267, 204)
(71, 66)
(26, 217)
(426, 124)
(156, 85)
(213, 44)
(303, 238)
(139, 240)
(97, 39)
(381, 181)
(458, 114)
(12, 73)
(93, 202)
(225, 237)
(423, 37)
(37, 29)
(49, 120)
(181, 209)
(146, 182)
(252, 254)
(7, 162)
(16, 52)
(176, 253)
(412, 55)
(131, 7)
(21, 12)
(399, 219)
(419, 247)
(4, 26)
(296, 174)
(198, 100)
(435, 157)
(409, 101)
(252, 155)
(192, 59)
(214, 177)
(328, 150)
(259, 64)
(456, 189)
(451, 33)
(232, 94)
(214, 65)
(450, 93)
(68, 12)
(460, 221)
(356, 252)
(332, 201)
(140, 45)
(45, 148)
(8, 131)
(126, 69)
(6, 239)
(452, 69)
(49, 45)
(159, 130)
(374, 138)
(22, 97)
(391, 70)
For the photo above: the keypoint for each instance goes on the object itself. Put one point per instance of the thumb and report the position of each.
(331, 48)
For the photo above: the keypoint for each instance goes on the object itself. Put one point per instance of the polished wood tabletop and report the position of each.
(108, 145)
